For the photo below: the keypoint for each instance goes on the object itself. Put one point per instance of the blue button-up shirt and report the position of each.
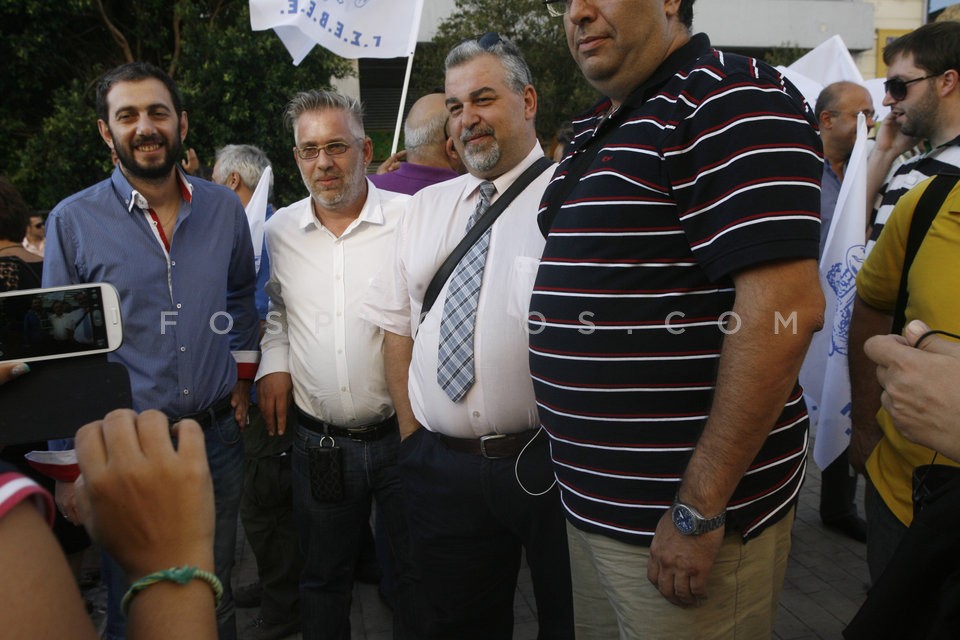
(185, 311)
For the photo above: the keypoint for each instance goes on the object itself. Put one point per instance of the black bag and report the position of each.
(326, 471)
(918, 595)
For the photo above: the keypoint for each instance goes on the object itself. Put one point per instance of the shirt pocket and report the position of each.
(522, 278)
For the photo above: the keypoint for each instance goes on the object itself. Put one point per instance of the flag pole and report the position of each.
(403, 102)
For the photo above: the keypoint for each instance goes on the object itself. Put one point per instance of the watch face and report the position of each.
(683, 519)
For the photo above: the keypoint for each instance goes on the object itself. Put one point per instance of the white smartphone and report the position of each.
(59, 322)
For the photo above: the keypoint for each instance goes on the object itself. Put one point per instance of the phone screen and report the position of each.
(49, 323)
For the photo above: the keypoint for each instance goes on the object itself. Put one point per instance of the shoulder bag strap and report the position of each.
(487, 219)
(927, 207)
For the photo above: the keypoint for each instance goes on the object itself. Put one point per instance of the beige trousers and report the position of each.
(612, 597)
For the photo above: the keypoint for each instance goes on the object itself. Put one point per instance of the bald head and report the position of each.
(837, 108)
(424, 131)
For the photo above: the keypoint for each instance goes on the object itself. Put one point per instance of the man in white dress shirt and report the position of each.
(323, 252)
(475, 468)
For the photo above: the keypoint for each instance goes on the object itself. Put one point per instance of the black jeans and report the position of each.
(469, 520)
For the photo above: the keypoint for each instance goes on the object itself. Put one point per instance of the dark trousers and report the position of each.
(838, 491)
(469, 521)
(330, 533)
(266, 510)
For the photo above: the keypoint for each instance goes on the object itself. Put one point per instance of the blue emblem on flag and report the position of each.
(842, 278)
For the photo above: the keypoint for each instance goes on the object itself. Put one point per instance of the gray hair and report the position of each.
(246, 160)
(432, 131)
(322, 100)
(518, 73)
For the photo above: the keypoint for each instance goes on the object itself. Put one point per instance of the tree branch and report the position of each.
(118, 36)
(175, 58)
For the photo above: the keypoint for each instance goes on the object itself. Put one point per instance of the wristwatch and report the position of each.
(690, 522)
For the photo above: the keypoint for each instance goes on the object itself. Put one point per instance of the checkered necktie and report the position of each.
(455, 364)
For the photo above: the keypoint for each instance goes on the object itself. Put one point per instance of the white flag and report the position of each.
(824, 376)
(256, 211)
(348, 28)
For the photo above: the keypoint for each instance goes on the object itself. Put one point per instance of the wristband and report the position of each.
(179, 575)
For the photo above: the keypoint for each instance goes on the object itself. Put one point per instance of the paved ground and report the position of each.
(825, 585)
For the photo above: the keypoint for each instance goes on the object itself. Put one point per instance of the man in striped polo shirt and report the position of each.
(674, 303)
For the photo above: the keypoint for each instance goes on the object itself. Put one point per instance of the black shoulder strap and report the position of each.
(927, 208)
(484, 223)
(578, 166)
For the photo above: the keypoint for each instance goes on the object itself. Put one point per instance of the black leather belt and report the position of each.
(209, 416)
(493, 446)
(366, 433)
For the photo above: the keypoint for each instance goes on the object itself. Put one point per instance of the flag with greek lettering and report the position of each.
(348, 28)
(824, 376)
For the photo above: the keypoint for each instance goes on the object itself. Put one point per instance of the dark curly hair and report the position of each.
(14, 213)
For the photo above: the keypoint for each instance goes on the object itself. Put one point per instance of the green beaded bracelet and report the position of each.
(180, 575)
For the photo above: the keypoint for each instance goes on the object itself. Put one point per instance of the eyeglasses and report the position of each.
(331, 149)
(39, 225)
(898, 87)
(557, 8)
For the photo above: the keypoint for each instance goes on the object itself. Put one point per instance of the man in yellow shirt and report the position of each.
(932, 284)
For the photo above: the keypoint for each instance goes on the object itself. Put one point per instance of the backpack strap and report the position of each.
(927, 208)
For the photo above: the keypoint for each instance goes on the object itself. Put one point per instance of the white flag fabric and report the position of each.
(348, 28)
(829, 62)
(824, 375)
(256, 211)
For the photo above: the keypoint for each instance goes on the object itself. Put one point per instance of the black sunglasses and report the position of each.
(489, 40)
(898, 87)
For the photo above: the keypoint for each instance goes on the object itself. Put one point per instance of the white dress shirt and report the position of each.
(501, 400)
(313, 328)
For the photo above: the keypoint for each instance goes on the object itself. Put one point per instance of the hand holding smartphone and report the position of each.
(59, 322)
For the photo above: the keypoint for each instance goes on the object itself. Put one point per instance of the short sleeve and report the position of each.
(878, 281)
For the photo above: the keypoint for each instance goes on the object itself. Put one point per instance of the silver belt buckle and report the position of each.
(483, 444)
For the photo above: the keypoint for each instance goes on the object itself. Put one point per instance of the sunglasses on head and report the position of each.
(898, 87)
(489, 40)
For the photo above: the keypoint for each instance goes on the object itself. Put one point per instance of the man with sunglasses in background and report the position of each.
(682, 227)
(34, 240)
(923, 91)
(323, 363)
(476, 471)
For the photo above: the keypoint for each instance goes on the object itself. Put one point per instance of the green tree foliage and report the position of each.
(235, 84)
(784, 55)
(561, 89)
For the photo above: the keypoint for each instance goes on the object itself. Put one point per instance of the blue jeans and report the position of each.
(225, 457)
(330, 533)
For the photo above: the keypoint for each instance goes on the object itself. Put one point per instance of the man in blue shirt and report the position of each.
(837, 108)
(178, 251)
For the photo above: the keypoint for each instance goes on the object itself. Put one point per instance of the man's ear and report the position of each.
(367, 151)
(105, 133)
(951, 81)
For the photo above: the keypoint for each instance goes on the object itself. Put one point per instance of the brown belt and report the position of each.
(493, 446)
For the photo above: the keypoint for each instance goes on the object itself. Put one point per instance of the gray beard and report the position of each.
(482, 161)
